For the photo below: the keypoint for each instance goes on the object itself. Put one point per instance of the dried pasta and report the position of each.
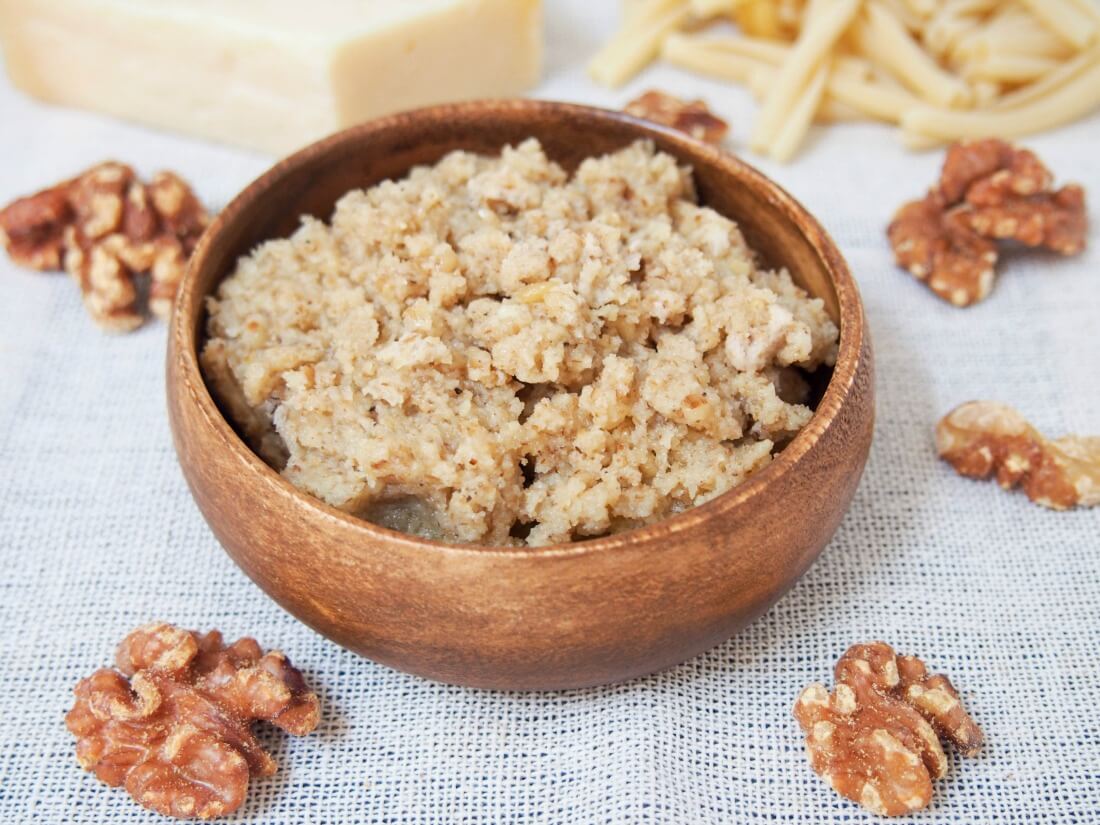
(940, 69)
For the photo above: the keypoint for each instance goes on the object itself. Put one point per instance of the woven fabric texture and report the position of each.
(98, 534)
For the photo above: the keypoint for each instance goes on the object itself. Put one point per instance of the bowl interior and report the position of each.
(312, 181)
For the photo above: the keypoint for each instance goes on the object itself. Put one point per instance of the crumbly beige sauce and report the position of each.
(490, 350)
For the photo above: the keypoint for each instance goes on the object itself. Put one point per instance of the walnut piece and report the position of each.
(1053, 220)
(943, 251)
(988, 191)
(984, 438)
(692, 117)
(107, 230)
(876, 738)
(173, 723)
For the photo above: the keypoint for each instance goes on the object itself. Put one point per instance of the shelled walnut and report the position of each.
(173, 722)
(984, 438)
(876, 738)
(108, 230)
(988, 191)
(690, 116)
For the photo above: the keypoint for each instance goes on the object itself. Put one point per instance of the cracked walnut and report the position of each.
(876, 738)
(173, 723)
(988, 191)
(983, 438)
(107, 229)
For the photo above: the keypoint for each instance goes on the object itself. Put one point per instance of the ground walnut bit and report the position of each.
(108, 230)
(690, 116)
(876, 738)
(981, 439)
(496, 350)
(173, 723)
(988, 191)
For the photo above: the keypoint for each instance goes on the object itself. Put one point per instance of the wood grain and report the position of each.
(574, 615)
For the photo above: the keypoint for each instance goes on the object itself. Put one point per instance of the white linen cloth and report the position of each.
(98, 535)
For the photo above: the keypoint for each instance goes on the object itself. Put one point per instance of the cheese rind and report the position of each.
(271, 75)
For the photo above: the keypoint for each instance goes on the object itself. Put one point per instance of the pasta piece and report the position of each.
(973, 6)
(772, 52)
(638, 43)
(688, 53)
(1021, 38)
(851, 86)
(855, 67)
(801, 116)
(761, 81)
(922, 8)
(1089, 8)
(1066, 19)
(952, 36)
(758, 48)
(884, 77)
(1009, 68)
(706, 9)
(814, 43)
(710, 57)
(884, 40)
(631, 9)
(790, 14)
(1059, 77)
(953, 23)
(637, 12)
(986, 92)
(874, 98)
(871, 98)
(900, 9)
(760, 18)
(1068, 102)
(833, 111)
(955, 9)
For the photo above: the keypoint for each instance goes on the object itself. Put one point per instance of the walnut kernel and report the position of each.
(876, 738)
(692, 117)
(32, 228)
(108, 230)
(988, 191)
(944, 252)
(173, 723)
(984, 438)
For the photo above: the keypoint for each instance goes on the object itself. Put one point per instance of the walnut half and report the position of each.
(690, 116)
(107, 229)
(876, 738)
(981, 439)
(173, 722)
(988, 191)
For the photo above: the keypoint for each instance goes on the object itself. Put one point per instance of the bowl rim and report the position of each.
(184, 342)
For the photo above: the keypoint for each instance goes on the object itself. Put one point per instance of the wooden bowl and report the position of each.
(565, 616)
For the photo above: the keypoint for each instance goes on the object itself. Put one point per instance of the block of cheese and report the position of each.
(271, 75)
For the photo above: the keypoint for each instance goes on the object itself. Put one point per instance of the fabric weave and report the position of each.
(98, 534)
